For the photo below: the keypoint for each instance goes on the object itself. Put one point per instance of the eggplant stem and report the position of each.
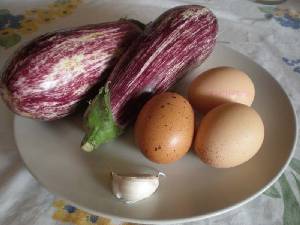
(98, 120)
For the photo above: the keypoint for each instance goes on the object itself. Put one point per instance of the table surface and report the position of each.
(268, 34)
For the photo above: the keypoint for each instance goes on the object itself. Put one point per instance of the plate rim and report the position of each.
(193, 218)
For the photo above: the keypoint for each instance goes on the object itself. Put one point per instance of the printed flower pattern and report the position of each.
(9, 21)
(291, 210)
(41, 15)
(285, 17)
(12, 27)
(70, 214)
(28, 26)
(294, 63)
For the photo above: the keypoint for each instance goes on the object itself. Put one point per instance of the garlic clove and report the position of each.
(131, 188)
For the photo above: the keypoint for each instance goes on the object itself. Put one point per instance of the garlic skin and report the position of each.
(133, 188)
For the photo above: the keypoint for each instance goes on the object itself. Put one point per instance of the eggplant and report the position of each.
(50, 76)
(178, 40)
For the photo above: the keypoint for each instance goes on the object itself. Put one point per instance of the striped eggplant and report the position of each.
(48, 78)
(175, 42)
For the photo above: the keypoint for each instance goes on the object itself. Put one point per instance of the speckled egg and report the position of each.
(229, 135)
(220, 85)
(164, 128)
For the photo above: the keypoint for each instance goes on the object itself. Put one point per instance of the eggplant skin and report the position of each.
(51, 75)
(178, 40)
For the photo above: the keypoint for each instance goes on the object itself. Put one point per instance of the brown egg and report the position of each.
(218, 86)
(229, 135)
(164, 128)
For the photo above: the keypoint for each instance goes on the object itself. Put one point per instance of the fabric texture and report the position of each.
(269, 35)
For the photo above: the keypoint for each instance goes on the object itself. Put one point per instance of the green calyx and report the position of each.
(99, 122)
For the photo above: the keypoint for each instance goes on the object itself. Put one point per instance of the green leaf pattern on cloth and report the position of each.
(297, 182)
(295, 165)
(10, 40)
(272, 192)
(268, 10)
(291, 210)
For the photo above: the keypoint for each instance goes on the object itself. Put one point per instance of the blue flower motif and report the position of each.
(7, 20)
(93, 219)
(292, 63)
(70, 208)
(4, 18)
(14, 21)
(288, 21)
(297, 69)
(268, 16)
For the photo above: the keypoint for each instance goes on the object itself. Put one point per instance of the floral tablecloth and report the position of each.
(270, 35)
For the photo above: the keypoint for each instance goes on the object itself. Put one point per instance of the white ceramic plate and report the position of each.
(191, 189)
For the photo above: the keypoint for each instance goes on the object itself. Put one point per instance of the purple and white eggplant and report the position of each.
(175, 42)
(47, 78)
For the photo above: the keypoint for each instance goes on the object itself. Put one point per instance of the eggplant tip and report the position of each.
(87, 147)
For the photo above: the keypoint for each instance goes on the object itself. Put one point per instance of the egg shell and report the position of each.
(229, 135)
(220, 85)
(164, 128)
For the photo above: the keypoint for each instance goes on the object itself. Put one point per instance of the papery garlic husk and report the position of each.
(131, 188)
